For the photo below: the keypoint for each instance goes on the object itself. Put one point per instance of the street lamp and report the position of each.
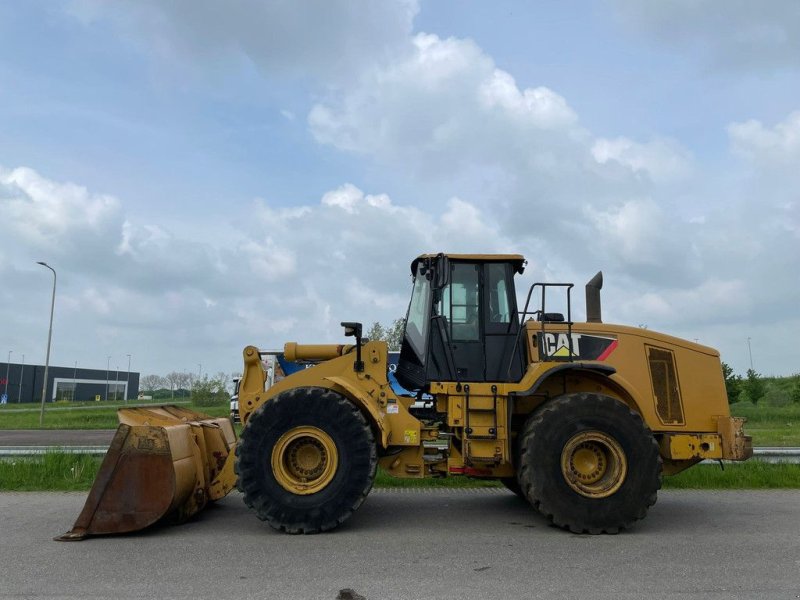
(49, 339)
(128, 379)
(108, 366)
(21, 373)
(116, 384)
(8, 364)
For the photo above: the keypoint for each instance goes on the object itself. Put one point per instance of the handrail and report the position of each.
(541, 312)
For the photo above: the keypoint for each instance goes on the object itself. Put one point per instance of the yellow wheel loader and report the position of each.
(581, 419)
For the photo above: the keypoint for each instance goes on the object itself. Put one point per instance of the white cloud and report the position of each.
(56, 218)
(445, 108)
(539, 106)
(662, 160)
(777, 146)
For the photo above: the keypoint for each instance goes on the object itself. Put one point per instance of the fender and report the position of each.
(625, 391)
(597, 368)
(363, 401)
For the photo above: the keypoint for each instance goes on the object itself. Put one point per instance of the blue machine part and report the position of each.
(290, 367)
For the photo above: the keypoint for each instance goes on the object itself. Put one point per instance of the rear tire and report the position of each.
(306, 460)
(589, 463)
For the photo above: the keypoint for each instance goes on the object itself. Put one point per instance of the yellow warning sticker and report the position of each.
(410, 436)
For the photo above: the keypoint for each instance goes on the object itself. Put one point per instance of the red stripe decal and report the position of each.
(612, 346)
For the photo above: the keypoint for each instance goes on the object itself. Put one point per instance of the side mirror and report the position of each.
(352, 329)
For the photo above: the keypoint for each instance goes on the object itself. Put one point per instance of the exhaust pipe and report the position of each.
(593, 298)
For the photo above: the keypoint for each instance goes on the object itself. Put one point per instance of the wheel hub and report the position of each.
(593, 464)
(304, 460)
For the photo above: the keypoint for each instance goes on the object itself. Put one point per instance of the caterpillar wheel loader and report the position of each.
(581, 419)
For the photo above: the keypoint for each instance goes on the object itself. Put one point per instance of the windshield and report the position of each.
(418, 317)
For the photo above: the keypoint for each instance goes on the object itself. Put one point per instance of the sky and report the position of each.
(204, 176)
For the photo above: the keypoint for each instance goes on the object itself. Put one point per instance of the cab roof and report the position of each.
(517, 260)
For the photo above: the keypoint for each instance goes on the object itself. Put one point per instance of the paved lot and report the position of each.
(56, 437)
(409, 544)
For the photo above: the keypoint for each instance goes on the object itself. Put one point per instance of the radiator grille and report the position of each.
(666, 389)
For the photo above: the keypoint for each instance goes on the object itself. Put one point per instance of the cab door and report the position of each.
(460, 307)
(502, 348)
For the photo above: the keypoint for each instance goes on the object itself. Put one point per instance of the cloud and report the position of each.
(778, 146)
(57, 218)
(727, 34)
(443, 109)
(662, 160)
(326, 40)
(293, 272)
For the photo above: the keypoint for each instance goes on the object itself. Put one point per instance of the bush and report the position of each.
(209, 392)
(794, 392)
(733, 383)
(754, 386)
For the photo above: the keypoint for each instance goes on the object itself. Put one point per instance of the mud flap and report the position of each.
(163, 462)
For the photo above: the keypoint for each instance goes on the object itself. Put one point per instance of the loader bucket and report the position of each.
(163, 462)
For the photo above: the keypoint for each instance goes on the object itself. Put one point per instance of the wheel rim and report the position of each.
(304, 460)
(593, 464)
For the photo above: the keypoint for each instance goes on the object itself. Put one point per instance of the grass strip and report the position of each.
(752, 474)
(52, 471)
(57, 471)
(88, 416)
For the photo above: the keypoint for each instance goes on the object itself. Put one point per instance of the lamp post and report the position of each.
(49, 339)
(128, 379)
(108, 366)
(75, 382)
(21, 373)
(116, 384)
(8, 364)
(750, 352)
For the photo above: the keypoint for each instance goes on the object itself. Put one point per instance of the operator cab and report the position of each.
(462, 322)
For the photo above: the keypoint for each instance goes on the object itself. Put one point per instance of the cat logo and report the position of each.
(558, 344)
(565, 346)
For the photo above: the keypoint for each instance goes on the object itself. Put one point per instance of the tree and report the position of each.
(223, 379)
(185, 381)
(209, 392)
(392, 335)
(150, 383)
(733, 383)
(376, 332)
(173, 379)
(754, 386)
(794, 393)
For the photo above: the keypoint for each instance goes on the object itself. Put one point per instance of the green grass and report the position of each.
(770, 425)
(80, 415)
(73, 472)
(748, 475)
(54, 471)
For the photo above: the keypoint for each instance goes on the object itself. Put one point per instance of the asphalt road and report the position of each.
(56, 437)
(415, 544)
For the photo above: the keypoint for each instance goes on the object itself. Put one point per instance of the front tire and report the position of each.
(306, 460)
(589, 463)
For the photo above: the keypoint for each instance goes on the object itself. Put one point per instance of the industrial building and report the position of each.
(21, 383)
